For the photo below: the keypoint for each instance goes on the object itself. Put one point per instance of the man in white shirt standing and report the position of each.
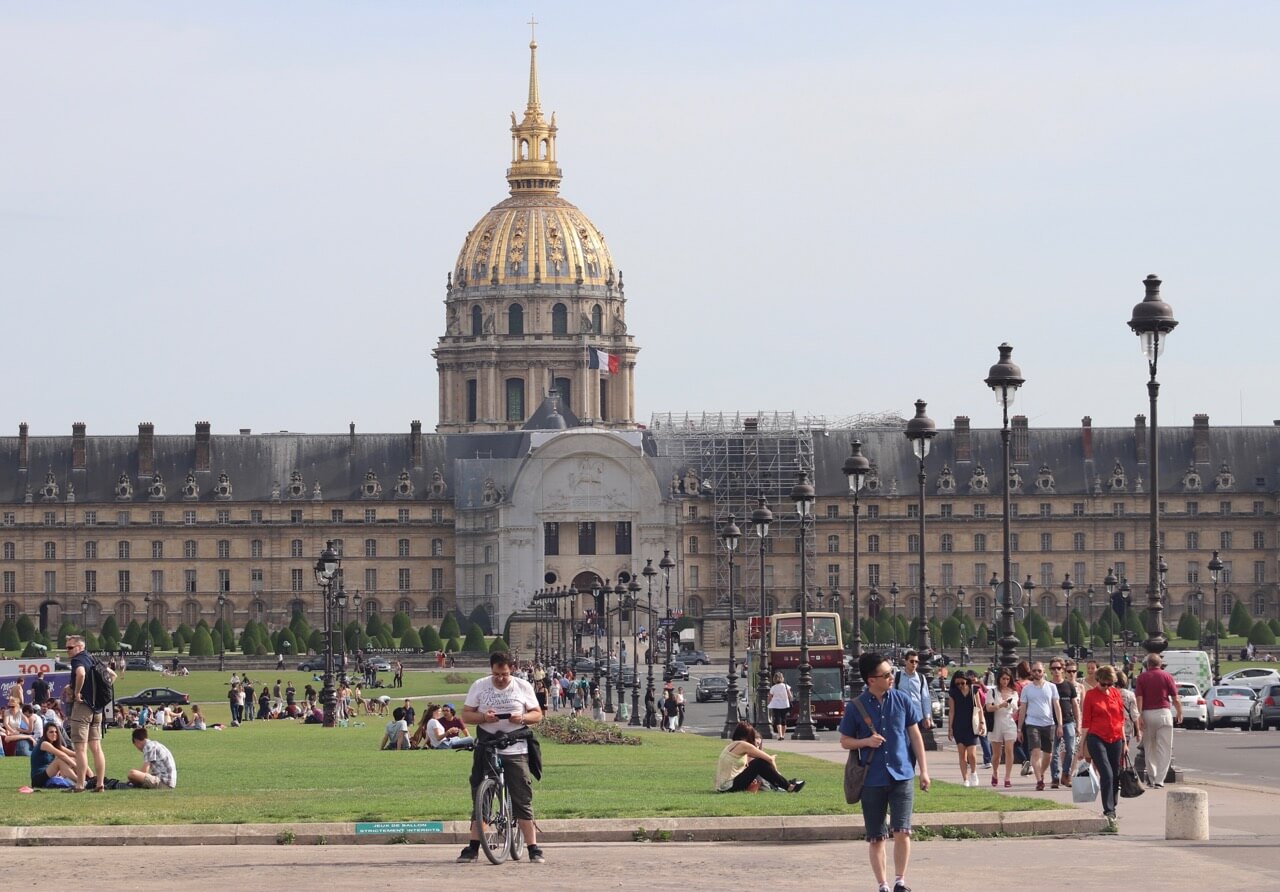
(1039, 720)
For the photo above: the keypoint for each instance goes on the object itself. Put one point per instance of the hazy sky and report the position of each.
(244, 212)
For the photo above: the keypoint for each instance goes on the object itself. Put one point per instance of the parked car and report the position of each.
(582, 664)
(1255, 678)
(1270, 697)
(711, 687)
(695, 658)
(1195, 714)
(312, 664)
(1233, 705)
(379, 664)
(146, 664)
(155, 697)
(676, 670)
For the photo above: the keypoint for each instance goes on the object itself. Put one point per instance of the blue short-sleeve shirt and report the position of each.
(891, 716)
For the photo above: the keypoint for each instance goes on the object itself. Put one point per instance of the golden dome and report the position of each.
(535, 236)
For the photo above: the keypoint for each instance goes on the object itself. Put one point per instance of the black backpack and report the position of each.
(99, 690)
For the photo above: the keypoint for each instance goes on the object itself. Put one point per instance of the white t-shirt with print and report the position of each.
(516, 698)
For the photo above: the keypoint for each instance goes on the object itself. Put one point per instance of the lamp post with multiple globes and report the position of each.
(1004, 379)
(920, 432)
(803, 495)
(729, 536)
(857, 468)
(761, 518)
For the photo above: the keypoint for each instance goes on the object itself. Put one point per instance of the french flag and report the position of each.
(607, 363)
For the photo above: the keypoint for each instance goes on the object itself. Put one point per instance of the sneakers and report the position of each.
(796, 785)
(1055, 783)
(470, 855)
(901, 887)
(1039, 786)
(536, 856)
(1026, 768)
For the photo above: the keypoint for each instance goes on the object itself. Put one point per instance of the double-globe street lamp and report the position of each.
(1004, 379)
(729, 536)
(1067, 586)
(1028, 588)
(920, 432)
(632, 604)
(650, 713)
(803, 495)
(1215, 572)
(761, 518)
(1152, 322)
(222, 639)
(666, 565)
(857, 468)
(328, 571)
(620, 591)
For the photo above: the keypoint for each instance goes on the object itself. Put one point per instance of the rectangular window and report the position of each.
(402, 548)
(1224, 508)
(90, 581)
(622, 537)
(50, 518)
(1193, 541)
(157, 581)
(224, 580)
(1162, 535)
(1015, 570)
(551, 538)
(1193, 508)
(224, 516)
(370, 579)
(122, 581)
(944, 510)
(913, 575)
(1259, 572)
(10, 518)
(1077, 509)
(473, 397)
(833, 511)
(11, 582)
(122, 518)
(693, 576)
(189, 581)
(833, 575)
(295, 515)
(1117, 509)
(157, 518)
(122, 551)
(1046, 509)
(873, 543)
(693, 512)
(979, 510)
(948, 575)
(1013, 509)
(488, 585)
(1259, 540)
(488, 554)
(335, 515)
(371, 548)
(295, 580)
(913, 510)
(50, 582)
(1077, 541)
(402, 579)
(1117, 542)
(587, 537)
(873, 512)
(255, 548)
(980, 576)
(224, 549)
(1046, 575)
(1193, 572)
(1226, 572)
(979, 542)
(1013, 542)
(873, 575)
(189, 518)
(402, 515)
(1224, 540)
(437, 515)
(1259, 508)
(1078, 572)
(833, 545)
(370, 515)
(1046, 541)
(255, 580)
(51, 551)
(437, 579)
(295, 548)
(255, 515)
(1120, 569)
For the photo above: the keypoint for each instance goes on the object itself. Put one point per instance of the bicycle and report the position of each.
(500, 835)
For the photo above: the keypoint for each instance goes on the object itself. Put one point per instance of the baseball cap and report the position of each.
(450, 707)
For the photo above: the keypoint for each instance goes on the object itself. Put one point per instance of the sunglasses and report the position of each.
(881, 675)
(1056, 668)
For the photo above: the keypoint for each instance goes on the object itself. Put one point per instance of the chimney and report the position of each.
(78, 461)
(146, 449)
(1021, 445)
(203, 459)
(1200, 438)
(1140, 437)
(415, 442)
(24, 448)
(1086, 436)
(351, 441)
(963, 446)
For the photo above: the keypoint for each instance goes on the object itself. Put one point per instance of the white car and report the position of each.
(1235, 705)
(1255, 678)
(1195, 713)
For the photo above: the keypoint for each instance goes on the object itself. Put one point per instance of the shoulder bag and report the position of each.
(1130, 786)
(855, 772)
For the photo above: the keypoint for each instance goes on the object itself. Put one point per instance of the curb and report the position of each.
(790, 828)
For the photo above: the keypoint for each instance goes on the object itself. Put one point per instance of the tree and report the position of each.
(498, 645)
(67, 628)
(202, 643)
(110, 632)
(1189, 627)
(952, 633)
(480, 617)
(216, 637)
(90, 641)
(449, 628)
(228, 634)
(26, 628)
(299, 626)
(400, 624)
(475, 642)
(286, 642)
(373, 625)
(1240, 622)
(1133, 622)
(384, 638)
(1275, 626)
(32, 652)
(133, 635)
(430, 638)
(9, 639)
(159, 636)
(452, 646)
(410, 640)
(1261, 634)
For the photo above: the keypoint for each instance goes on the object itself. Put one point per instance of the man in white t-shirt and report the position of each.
(502, 694)
(1039, 720)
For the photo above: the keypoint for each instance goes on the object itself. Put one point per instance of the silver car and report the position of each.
(1233, 705)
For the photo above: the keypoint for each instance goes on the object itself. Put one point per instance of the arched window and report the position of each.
(258, 610)
(10, 611)
(437, 608)
(92, 617)
(297, 607)
(515, 319)
(515, 399)
(1259, 604)
(524, 150)
(191, 613)
(405, 606)
(694, 605)
(795, 602)
(124, 613)
(559, 320)
(542, 150)
(597, 320)
(477, 321)
(370, 607)
(834, 604)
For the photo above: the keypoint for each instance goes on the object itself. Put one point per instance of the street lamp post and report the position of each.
(1126, 596)
(729, 536)
(621, 591)
(650, 714)
(1089, 594)
(632, 606)
(857, 468)
(326, 571)
(1109, 584)
(761, 518)
(666, 565)
(1004, 379)
(920, 431)
(1152, 322)
(803, 495)
(597, 602)
(1215, 571)
(222, 639)
(1067, 586)
(1028, 588)
(894, 591)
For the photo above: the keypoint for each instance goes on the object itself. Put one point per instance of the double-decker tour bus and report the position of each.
(826, 659)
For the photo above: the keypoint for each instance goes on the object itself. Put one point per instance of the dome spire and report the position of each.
(533, 141)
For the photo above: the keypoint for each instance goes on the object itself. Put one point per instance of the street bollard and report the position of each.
(1186, 814)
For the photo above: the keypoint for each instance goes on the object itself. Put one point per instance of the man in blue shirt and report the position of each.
(884, 742)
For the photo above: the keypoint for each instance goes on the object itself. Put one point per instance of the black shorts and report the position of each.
(779, 716)
(519, 781)
(1038, 737)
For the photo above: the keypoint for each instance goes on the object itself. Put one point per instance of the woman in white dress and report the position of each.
(1002, 706)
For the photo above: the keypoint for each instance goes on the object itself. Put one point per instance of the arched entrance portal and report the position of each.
(589, 625)
(50, 617)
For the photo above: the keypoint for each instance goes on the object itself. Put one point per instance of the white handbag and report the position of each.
(1085, 786)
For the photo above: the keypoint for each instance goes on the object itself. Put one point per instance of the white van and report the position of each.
(1190, 665)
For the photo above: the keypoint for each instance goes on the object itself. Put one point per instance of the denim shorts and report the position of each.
(881, 803)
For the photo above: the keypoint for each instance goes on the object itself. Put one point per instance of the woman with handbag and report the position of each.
(1102, 726)
(965, 723)
(1003, 706)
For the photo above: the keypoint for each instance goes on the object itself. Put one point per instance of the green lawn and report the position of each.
(287, 772)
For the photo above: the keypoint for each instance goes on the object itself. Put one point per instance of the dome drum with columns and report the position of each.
(534, 286)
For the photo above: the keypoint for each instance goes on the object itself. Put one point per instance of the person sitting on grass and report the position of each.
(52, 759)
(454, 726)
(438, 738)
(158, 768)
(742, 762)
(397, 734)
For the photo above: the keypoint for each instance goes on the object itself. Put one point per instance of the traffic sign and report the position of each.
(667, 622)
(1015, 588)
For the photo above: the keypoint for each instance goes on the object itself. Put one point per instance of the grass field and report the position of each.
(287, 772)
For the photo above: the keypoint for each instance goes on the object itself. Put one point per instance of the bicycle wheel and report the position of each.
(493, 815)
(517, 836)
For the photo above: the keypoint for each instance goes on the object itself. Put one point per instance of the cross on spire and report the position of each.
(533, 29)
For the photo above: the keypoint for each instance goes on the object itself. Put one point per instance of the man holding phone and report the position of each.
(496, 704)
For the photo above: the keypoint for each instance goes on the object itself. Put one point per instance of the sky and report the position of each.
(244, 213)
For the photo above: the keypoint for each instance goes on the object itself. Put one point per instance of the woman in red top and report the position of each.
(1102, 724)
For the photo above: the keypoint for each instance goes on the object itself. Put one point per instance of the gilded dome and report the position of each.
(535, 238)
